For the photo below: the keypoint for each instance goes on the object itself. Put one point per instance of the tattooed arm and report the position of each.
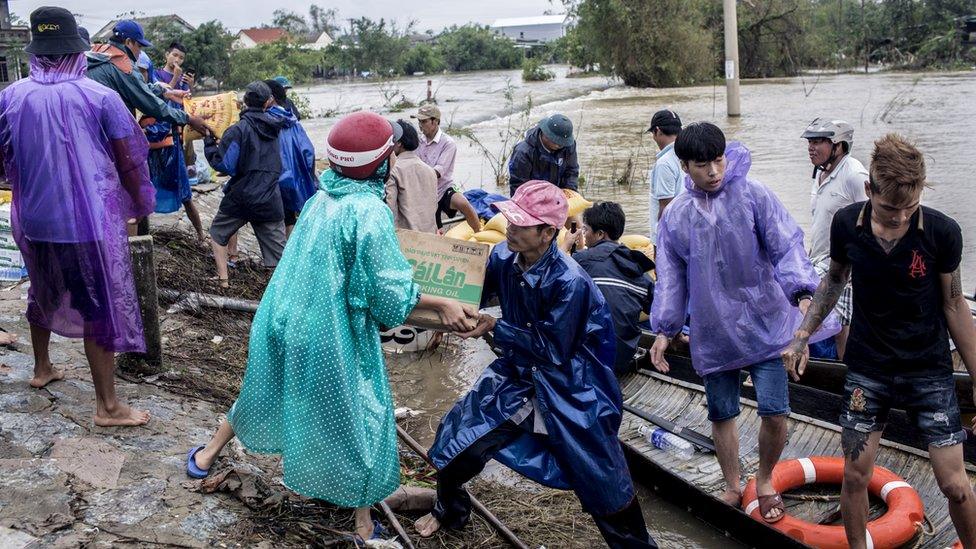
(959, 319)
(828, 293)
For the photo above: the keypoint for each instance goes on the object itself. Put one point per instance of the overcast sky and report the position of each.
(237, 14)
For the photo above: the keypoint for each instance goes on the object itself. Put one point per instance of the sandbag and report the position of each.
(218, 111)
(576, 202)
(490, 237)
(498, 223)
(461, 231)
(635, 241)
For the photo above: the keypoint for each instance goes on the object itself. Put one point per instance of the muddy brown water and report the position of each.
(935, 109)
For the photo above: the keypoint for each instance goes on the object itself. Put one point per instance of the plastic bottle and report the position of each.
(11, 274)
(669, 442)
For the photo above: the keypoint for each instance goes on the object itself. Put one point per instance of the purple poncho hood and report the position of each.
(734, 261)
(76, 160)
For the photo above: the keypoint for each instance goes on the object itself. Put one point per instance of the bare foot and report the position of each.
(222, 282)
(427, 525)
(123, 416)
(203, 460)
(40, 380)
(774, 512)
(7, 338)
(364, 523)
(731, 497)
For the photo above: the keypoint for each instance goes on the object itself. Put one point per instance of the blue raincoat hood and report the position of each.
(734, 261)
(558, 346)
(297, 179)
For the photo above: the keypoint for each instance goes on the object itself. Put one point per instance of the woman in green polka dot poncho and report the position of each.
(316, 389)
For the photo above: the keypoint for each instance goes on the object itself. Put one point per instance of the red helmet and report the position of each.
(359, 143)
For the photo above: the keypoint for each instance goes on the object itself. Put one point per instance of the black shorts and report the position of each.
(444, 207)
(290, 218)
(69, 267)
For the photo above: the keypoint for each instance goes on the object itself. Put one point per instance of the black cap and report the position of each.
(665, 120)
(277, 91)
(54, 32)
(256, 94)
(83, 33)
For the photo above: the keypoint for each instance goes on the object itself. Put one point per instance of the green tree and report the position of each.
(323, 20)
(475, 47)
(267, 60)
(293, 23)
(377, 46)
(648, 43)
(423, 58)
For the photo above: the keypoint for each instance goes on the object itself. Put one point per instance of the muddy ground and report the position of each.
(67, 483)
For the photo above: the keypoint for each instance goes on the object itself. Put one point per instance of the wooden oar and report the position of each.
(690, 435)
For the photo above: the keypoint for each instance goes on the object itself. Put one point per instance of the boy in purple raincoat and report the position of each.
(77, 163)
(731, 256)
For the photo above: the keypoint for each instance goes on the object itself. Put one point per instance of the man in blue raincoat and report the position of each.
(550, 406)
(731, 256)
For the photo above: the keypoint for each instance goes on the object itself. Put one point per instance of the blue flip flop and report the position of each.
(379, 532)
(192, 470)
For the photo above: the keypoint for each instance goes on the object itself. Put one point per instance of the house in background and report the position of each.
(317, 41)
(533, 30)
(13, 39)
(249, 38)
(157, 21)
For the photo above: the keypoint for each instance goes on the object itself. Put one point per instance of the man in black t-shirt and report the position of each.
(903, 260)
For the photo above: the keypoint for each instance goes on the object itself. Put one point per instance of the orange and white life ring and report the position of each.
(897, 526)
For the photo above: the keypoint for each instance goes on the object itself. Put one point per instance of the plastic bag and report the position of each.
(218, 111)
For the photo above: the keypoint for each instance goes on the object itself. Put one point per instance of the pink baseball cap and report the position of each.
(535, 203)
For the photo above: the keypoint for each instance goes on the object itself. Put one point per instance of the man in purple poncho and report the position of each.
(730, 255)
(77, 163)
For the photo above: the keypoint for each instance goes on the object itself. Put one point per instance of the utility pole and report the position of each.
(731, 58)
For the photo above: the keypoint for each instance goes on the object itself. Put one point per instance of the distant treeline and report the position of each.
(680, 42)
(644, 42)
(367, 46)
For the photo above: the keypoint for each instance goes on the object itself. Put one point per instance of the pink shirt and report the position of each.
(439, 153)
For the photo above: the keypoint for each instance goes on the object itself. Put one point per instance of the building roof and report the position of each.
(530, 21)
(106, 32)
(265, 35)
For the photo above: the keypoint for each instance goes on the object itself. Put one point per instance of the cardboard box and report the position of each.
(444, 267)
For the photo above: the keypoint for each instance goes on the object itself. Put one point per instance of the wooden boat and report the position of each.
(818, 396)
(828, 375)
(692, 483)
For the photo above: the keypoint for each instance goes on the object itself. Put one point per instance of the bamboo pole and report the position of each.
(509, 536)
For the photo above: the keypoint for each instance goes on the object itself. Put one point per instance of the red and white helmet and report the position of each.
(359, 143)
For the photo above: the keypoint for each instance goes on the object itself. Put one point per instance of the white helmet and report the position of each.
(837, 131)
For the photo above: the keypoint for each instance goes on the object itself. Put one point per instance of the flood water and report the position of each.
(934, 109)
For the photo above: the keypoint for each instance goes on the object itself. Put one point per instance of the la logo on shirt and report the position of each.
(917, 269)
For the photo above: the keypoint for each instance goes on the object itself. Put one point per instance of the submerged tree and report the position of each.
(647, 43)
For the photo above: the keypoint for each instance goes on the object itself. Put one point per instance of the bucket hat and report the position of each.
(54, 31)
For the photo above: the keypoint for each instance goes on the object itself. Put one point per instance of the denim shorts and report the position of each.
(929, 400)
(772, 390)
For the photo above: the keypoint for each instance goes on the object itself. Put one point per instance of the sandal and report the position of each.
(192, 470)
(768, 503)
